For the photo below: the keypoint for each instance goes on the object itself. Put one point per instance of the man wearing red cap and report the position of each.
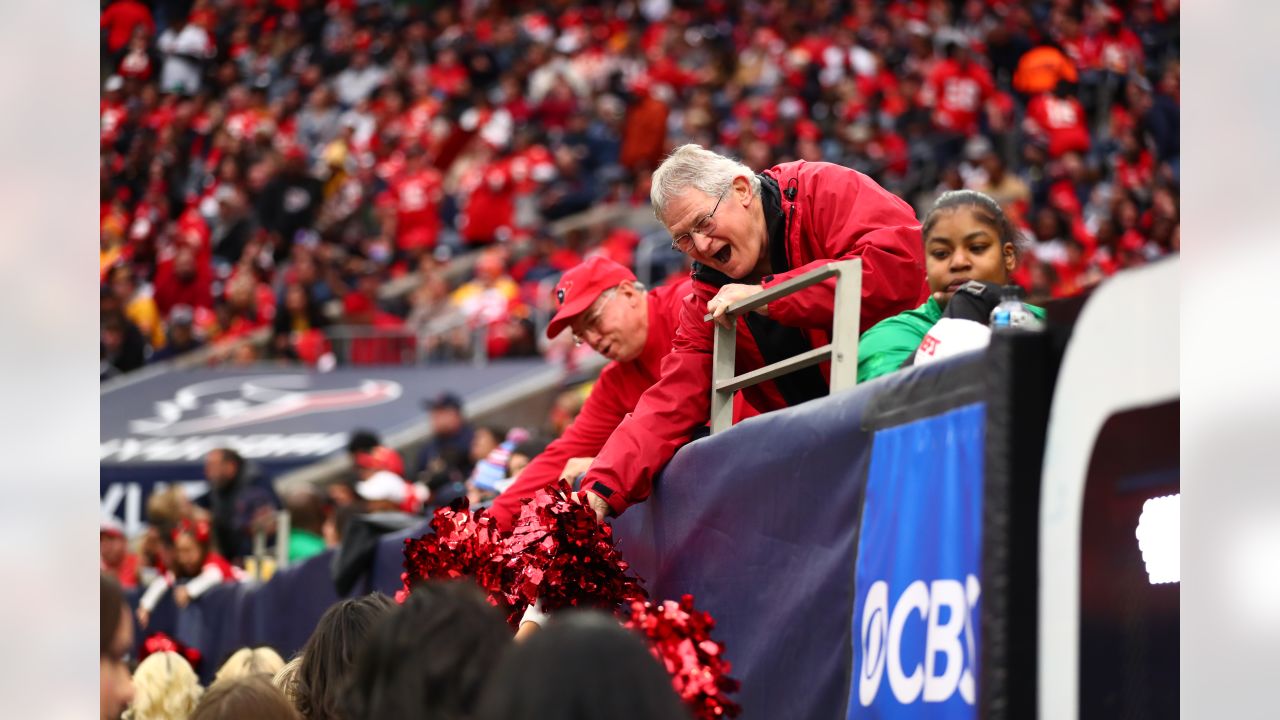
(117, 561)
(604, 306)
(382, 485)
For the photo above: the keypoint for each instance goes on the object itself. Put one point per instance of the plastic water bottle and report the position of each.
(1011, 313)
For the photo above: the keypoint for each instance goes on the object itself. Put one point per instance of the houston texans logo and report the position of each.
(562, 291)
(218, 405)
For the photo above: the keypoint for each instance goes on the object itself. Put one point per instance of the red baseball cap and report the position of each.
(381, 458)
(581, 285)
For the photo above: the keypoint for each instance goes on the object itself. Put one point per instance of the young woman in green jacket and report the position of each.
(966, 237)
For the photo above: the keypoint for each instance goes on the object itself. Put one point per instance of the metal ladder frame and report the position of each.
(842, 351)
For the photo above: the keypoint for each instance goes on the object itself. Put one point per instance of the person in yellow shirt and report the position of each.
(139, 306)
(485, 299)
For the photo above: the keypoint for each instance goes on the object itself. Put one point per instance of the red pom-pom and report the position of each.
(680, 637)
(459, 545)
(160, 642)
(558, 552)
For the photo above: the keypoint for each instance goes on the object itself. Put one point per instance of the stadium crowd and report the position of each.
(276, 166)
(273, 164)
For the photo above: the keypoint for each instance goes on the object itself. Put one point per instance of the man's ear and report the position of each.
(742, 190)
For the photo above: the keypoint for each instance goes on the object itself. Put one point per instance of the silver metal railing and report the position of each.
(262, 561)
(842, 351)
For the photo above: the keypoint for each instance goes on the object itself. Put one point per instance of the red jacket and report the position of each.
(837, 214)
(615, 394)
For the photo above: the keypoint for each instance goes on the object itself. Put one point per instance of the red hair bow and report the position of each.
(160, 642)
(199, 530)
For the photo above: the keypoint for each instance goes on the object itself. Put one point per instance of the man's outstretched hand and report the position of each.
(593, 501)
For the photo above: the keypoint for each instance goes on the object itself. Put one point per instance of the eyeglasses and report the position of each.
(593, 316)
(703, 226)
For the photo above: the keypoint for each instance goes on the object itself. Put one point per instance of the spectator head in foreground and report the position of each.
(250, 661)
(583, 666)
(252, 697)
(430, 657)
(114, 642)
(326, 661)
(604, 306)
(164, 688)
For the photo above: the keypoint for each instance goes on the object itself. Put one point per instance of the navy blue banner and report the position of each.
(915, 623)
(157, 431)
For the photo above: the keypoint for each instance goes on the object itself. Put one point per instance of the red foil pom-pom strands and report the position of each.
(680, 637)
(558, 552)
(459, 545)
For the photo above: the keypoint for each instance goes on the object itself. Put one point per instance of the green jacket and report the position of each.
(888, 343)
(304, 544)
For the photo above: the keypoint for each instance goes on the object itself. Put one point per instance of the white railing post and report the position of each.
(842, 350)
(844, 327)
(722, 366)
(283, 522)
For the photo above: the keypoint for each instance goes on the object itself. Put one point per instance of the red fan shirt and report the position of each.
(958, 93)
(417, 199)
(491, 205)
(1063, 122)
(530, 168)
(112, 117)
(120, 19)
(1120, 52)
(1135, 173)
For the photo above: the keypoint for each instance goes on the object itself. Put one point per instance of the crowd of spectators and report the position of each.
(271, 165)
(444, 653)
(195, 544)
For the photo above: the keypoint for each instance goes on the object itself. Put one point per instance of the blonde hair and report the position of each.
(165, 688)
(287, 679)
(166, 507)
(695, 166)
(250, 661)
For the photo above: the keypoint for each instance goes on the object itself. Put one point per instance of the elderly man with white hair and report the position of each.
(746, 232)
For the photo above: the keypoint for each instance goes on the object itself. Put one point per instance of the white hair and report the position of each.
(165, 688)
(695, 166)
